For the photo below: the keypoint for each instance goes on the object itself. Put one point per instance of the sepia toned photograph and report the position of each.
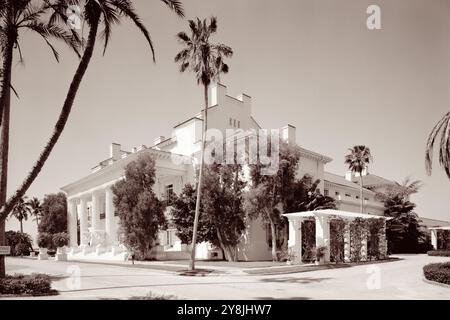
(224, 150)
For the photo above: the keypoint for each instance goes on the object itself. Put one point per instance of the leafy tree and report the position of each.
(308, 198)
(441, 128)
(205, 59)
(358, 160)
(223, 206)
(21, 211)
(183, 212)
(403, 231)
(270, 195)
(54, 214)
(20, 243)
(35, 209)
(222, 218)
(141, 213)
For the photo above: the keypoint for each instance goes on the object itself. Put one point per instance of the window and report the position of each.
(366, 199)
(357, 197)
(348, 195)
(169, 195)
(326, 192)
(337, 193)
(231, 121)
(234, 123)
(239, 124)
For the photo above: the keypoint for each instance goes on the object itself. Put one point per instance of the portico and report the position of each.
(435, 237)
(322, 220)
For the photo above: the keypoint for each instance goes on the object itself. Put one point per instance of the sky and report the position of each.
(311, 63)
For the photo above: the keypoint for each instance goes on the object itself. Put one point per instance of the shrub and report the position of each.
(438, 272)
(60, 239)
(439, 253)
(20, 243)
(34, 284)
(45, 240)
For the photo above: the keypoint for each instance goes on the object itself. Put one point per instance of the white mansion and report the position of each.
(90, 199)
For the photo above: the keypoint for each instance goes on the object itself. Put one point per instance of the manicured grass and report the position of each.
(439, 253)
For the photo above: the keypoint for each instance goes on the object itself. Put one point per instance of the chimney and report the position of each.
(288, 134)
(348, 175)
(114, 151)
(218, 93)
(158, 140)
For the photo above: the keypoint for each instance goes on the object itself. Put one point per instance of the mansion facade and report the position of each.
(90, 198)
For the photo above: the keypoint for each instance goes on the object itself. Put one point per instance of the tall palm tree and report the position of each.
(21, 211)
(17, 17)
(205, 59)
(441, 128)
(357, 160)
(35, 209)
(96, 13)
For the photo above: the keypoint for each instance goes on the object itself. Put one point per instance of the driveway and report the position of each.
(401, 279)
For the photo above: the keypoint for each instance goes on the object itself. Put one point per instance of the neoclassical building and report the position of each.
(90, 199)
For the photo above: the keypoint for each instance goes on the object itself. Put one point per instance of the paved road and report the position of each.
(401, 279)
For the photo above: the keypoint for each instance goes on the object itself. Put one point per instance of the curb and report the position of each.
(436, 283)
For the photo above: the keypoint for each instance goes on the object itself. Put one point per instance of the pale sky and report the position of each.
(311, 63)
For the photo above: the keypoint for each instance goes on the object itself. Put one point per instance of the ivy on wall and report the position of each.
(358, 232)
(308, 239)
(375, 232)
(337, 230)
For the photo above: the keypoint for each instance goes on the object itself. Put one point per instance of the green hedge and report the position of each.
(440, 253)
(438, 272)
(34, 284)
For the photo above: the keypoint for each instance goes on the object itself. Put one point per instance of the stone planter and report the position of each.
(61, 254)
(42, 254)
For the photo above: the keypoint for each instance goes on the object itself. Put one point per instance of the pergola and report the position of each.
(322, 221)
(434, 235)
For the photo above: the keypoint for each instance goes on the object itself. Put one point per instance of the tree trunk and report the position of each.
(229, 251)
(199, 184)
(4, 139)
(361, 192)
(274, 241)
(2, 243)
(62, 120)
(21, 225)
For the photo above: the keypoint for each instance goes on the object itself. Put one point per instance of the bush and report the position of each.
(45, 240)
(34, 284)
(60, 239)
(20, 243)
(439, 253)
(438, 272)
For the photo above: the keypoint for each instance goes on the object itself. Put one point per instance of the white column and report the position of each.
(295, 239)
(72, 222)
(323, 235)
(95, 212)
(434, 239)
(347, 246)
(110, 226)
(83, 222)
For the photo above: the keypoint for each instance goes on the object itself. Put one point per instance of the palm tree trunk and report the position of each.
(361, 192)
(21, 226)
(4, 139)
(62, 120)
(274, 241)
(199, 184)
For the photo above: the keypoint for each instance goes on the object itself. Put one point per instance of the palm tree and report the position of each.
(205, 59)
(96, 13)
(402, 189)
(17, 17)
(35, 209)
(21, 211)
(357, 161)
(442, 128)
